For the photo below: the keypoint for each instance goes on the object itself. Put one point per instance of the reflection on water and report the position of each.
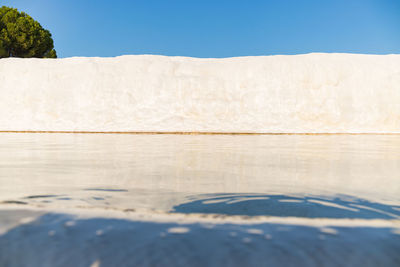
(64, 240)
(285, 206)
(329, 200)
(167, 172)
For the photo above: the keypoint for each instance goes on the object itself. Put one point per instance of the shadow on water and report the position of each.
(54, 239)
(288, 206)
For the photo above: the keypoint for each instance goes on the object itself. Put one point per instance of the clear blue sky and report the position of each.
(217, 28)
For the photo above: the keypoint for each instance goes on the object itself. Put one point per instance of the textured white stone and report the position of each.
(313, 93)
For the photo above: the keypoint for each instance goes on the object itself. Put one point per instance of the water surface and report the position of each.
(201, 200)
(333, 176)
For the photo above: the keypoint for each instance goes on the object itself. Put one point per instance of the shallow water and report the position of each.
(199, 200)
(333, 176)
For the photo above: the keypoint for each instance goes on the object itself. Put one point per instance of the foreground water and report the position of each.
(197, 200)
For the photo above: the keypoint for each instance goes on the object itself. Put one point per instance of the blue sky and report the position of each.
(217, 28)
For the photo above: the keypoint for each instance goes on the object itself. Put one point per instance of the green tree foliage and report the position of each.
(22, 36)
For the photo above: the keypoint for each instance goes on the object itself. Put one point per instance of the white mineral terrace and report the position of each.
(313, 93)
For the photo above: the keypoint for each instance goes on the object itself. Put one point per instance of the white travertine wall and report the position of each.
(313, 93)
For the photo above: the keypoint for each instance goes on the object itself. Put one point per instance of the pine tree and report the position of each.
(22, 36)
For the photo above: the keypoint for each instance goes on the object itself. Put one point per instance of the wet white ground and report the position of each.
(173, 200)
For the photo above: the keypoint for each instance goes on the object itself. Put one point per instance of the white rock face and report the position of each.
(313, 93)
